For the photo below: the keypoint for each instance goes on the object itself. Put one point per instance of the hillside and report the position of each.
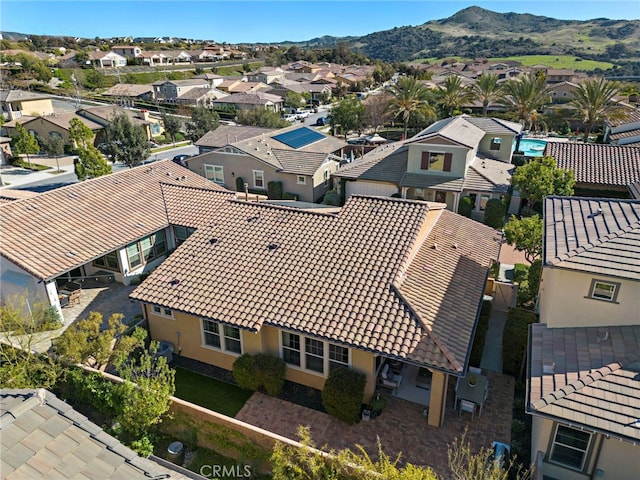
(476, 32)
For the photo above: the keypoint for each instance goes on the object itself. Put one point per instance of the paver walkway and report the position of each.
(401, 427)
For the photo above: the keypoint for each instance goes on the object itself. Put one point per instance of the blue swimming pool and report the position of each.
(532, 147)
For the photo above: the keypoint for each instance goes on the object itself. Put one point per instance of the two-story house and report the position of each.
(104, 116)
(170, 90)
(583, 376)
(299, 157)
(17, 103)
(452, 158)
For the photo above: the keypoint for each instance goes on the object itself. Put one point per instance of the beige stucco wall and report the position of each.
(438, 398)
(43, 128)
(36, 107)
(614, 458)
(460, 159)
(564, 300)
(504, 154)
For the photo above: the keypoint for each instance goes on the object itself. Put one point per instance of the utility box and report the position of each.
(175, 453)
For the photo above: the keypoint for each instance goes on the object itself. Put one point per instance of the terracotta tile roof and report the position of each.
(63, 120)
(246, 98)
(128, 90)
(597, 164)
(600, 235)
(191, 206)
(592, 380)
(64, 228)
(21, 95)
(278, 262)
(228, 134)
(45, 438)
(106, 114)
(634, 190)
(10, 195)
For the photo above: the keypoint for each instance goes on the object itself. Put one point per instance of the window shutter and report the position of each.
(447, 162)
(424, 165)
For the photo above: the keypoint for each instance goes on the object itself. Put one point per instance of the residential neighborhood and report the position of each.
(310, 260)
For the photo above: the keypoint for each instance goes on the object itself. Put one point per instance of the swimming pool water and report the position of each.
(532, 147)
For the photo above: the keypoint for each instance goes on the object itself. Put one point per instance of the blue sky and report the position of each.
(236, 21)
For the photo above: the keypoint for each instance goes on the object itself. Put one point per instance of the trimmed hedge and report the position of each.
(494, 213)
(535, 272)
(290, 196)
(465, 207)
(481, 333)
(274, 190)
(260, 371)
(343, 393)
(514, 339)
(239, 184)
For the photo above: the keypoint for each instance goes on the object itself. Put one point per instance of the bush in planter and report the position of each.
(377, 404)
(343, 393)
(465, 207)
(252, 372)
(494, 213)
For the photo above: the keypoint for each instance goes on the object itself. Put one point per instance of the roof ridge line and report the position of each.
(584, 381)
(475, 169)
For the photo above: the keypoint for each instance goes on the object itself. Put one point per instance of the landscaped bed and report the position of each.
(210, 393)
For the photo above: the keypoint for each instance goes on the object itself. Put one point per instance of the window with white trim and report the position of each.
(301, 180)
(258, 179)
(603, 290)
(326, 178)
(570, 447)
(311, 354)
(214, 173)
(162, 311)
(227, 338)
(496, 142)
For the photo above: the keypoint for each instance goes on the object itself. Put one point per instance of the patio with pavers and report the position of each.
(401, 427)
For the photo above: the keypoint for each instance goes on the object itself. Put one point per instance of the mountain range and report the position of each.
(477, 32)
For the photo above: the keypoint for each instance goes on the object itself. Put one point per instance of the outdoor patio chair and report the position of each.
(74, 298)
(467, 406)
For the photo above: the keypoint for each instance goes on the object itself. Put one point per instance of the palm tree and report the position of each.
(593, 103)
(453, 95)
(524, 96)
(409, 97)
(486, 89)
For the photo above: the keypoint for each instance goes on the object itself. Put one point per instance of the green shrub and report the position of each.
(494, 271)
(343, 393)
(514, 339)
(239, 184)
(520, 272)
(290, 196)
(465, 207)
(494, 213)
(481, 333)
(142, 446)
(93, 389)
(274, 190)
(535, 272)
(332, 197)
(261, 371)
(51, 319)
(179, 137)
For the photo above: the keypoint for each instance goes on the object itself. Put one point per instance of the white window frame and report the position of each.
(217, 172)
(223, 337)
(301, 180)
(326, 178)
(162, 311)
(614, 294)
(326, 360)
(256, 174)
(555, 443)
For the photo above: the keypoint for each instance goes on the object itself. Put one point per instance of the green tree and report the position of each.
(525, 95)
(348, 114)
(24, 142)
(494, 213)
(94, 79)
(540, 178)
(486, 90)
(202, 121)
(53, 146)
(80, 134)
(453, 95)
(525, 234)
(81, 57)
(90, 163)
(593, 103)
(410, 97)
(126, 142)
(148, 385)
(85, 342)
(309, 463)
(294, 100)
(172, 126)
(261, 117)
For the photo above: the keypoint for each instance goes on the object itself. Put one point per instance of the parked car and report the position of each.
(153, 145)
(181, 159)
(300, 114)
(290, 118)
(321, 121)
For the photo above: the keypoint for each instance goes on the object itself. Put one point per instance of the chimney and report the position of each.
(144, 114)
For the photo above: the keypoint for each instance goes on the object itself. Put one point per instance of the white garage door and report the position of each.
(371, 188)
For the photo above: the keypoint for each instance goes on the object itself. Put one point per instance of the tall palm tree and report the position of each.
(410, 97)
(593, 103)
(525, 95)
(453, 95)
(486, 89)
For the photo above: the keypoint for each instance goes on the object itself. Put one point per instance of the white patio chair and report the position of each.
(467, 406)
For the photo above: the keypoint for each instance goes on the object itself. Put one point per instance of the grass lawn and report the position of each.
(210, 393)
(556, 61)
